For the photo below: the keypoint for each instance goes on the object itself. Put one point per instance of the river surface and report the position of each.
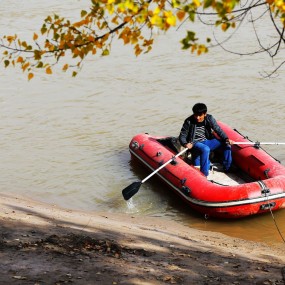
(64, 140)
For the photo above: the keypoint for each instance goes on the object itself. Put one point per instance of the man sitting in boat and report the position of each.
(197, 134)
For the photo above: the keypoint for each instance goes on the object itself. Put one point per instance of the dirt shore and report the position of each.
(43, 244)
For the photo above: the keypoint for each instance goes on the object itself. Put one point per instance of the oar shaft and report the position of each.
(259, 143)
(154, 172)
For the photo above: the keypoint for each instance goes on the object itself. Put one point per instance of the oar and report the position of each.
(261, 143)
(133, 188)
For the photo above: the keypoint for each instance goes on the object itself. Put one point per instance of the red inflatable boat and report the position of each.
(255, 185)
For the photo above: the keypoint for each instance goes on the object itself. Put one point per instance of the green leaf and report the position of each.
(185, 44)
(83, 13)
(208, 3)
(43, 29)
(40, 64)
(105, 52)
(6, 62)
(56, 36)
(192, 16)
(191, 36)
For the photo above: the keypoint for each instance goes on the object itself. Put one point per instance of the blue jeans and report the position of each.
(201, 153)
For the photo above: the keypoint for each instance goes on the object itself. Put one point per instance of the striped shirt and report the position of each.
(200, 133)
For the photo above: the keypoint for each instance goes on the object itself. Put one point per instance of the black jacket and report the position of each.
(188, 129)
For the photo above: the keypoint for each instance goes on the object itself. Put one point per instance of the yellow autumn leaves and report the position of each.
(159, 16)
(94, 31)
(278, 6)
(122, 6)
(131, 21)
(162, 19)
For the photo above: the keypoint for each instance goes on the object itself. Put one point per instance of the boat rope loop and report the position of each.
(265, 191)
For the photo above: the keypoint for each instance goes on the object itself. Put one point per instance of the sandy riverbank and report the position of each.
(43, 244)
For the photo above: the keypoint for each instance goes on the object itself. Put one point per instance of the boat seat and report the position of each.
(172, 143)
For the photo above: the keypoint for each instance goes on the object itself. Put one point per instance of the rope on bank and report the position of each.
(266, 191)
(269, 206)
(276, 223)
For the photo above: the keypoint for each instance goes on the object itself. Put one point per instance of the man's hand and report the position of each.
(230, 142)
(189, 145)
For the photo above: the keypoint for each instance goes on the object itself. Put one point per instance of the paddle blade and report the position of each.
(131, 190)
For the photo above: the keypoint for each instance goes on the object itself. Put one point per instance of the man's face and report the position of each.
(200, 117)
